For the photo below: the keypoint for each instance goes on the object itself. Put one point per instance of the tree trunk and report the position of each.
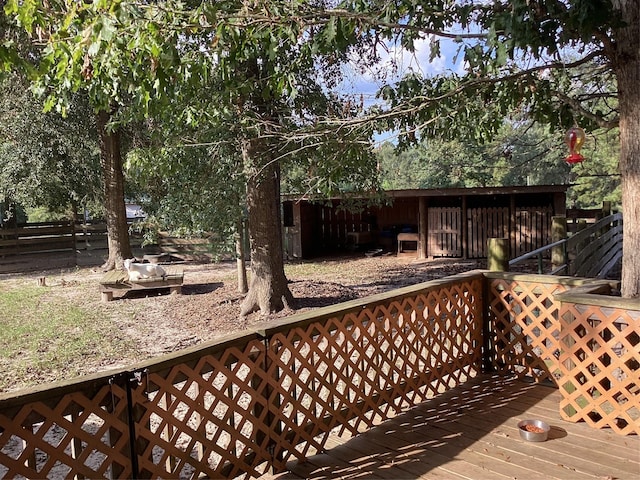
(268, 290)
(116, 213)
(11, 220)
(240, 257)
(627, 68)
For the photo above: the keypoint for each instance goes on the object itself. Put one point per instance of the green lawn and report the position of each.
(42, 336)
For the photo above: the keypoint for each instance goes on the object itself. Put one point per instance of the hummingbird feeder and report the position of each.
(574, 139)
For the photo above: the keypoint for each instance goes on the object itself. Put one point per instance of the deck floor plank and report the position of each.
(590, 459)
(394, 455)
(404, 461)
(579, 448)
(582, 436)
(471, 432)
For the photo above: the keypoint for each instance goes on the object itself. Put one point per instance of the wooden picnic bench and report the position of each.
(117, 280)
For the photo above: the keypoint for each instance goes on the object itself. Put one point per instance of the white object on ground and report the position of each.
(137, 271)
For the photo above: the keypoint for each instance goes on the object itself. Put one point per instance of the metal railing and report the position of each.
(591, 252)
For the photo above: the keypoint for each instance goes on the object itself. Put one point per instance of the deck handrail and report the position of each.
(610, 249)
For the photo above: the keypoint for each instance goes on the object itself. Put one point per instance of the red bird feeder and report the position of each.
(574, 139)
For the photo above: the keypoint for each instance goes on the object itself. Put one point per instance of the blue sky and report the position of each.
(405, 62)
(395, 63)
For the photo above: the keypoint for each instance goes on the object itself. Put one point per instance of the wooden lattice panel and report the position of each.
(363, 367)
(524, 328)
(238, 406)
(207, 419)
(600, 364)
(73, 435)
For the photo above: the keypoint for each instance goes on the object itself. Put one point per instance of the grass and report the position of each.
(42, 336)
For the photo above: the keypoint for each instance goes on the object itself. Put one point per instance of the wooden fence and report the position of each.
(336, 224)
(38, 238)
(485, 223)
(533, 229)
(67, 238)
(577, 217)
(448, 237)
(450, 231)
(249, 402)
(444, 232)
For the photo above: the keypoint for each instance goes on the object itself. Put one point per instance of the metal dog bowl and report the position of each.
(540, 430)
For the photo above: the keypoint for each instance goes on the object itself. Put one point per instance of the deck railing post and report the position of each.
(498, 254)
(487, 344)
(271, 430)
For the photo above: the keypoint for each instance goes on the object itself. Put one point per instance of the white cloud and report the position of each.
(395, 62)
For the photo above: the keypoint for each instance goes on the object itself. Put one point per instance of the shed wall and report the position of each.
(456, 225)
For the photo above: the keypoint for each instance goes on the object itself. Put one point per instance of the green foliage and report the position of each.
(548, 60)
(43, 214)
(189, 191)
(224, 73)
(47, 160)
(597, 179)
(219, 74)
(329, 163)
(522, 154)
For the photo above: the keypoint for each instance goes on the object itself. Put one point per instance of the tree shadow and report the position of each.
(201, 288)
(457, 430)
(189, 289)
(316, 294)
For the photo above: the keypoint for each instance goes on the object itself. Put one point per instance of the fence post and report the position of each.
(498, 254)
(558, 232)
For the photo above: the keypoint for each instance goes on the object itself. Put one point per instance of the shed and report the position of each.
(428, 223)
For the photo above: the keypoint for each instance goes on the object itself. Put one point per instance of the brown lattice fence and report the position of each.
(570, 332)
(245, 403)
(240, 405)
(600, 362)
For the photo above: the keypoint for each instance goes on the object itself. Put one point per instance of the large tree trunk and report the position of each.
(268, 290)
(241, 264)
(9, 213)
(627, 68)
(116, 213)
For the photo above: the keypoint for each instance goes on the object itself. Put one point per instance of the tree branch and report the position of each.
(577, 106)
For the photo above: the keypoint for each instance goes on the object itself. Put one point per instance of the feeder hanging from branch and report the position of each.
(574, 139)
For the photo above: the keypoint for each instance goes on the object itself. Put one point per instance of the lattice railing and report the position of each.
(367, 365)
(587, 344)
(600, 366)
(524, 326)
(240, 405)
(80, 431)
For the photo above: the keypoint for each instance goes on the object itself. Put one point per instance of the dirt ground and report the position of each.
(158, 323)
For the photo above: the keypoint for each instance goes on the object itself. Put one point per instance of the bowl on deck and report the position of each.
(534, 430)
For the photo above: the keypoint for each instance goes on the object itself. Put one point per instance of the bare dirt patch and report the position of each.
(158, 323)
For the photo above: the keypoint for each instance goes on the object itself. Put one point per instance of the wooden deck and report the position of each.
(470, 432)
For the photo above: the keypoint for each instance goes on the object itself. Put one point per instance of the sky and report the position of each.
(368, 82)
(394, 64)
